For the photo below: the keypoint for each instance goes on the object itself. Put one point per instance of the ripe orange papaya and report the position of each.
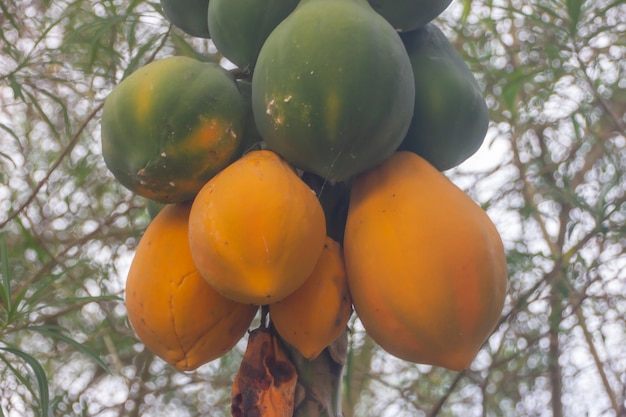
(332, 89)
(426, 266)
(314, 315)
(256, 229)
(170, 126)
(173, 310)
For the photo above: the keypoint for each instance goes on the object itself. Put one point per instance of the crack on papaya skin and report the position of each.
(173, 315)
(206, 331)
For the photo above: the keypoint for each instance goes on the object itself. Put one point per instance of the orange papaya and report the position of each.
(256, 229)
(173, 310)
(426, 266)
(314, 315)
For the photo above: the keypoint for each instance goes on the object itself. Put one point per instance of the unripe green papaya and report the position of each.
(450, 119)
(153, 208)
(190, 16)
(251, 138)
(170, 126)
(333, 89)
(334, 198)
(406, 15)
(240, 27)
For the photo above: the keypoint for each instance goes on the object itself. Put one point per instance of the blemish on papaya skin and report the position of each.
(275, 113)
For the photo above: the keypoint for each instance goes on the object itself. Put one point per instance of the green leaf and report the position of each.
(22, 304)
(574, 8)
(93, 298)
(40, 375)
(467, 8)
(183, 48)
(138, 58)
(9, 16)
(56, 332)
(509, 94)
(15, 86)
(9, 131)
(6, 156)
(5, 288)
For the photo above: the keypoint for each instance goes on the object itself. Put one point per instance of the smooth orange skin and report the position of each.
(316, 314)
(426, 266)
(173, 310)
(256, 229)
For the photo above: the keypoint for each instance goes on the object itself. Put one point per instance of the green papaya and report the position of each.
(333, 89)
(335, 198)
(190, 16)
(251, 138)
(170, 126)
(240, 27)
(407, 15)
(153, 208)
(450, 117)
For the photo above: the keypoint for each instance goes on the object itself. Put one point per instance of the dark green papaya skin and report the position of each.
(451, 118)
(239, 28)
(334, 198)
(190, 16)
(251, 138)
(407, 15)
(153, 208)
(333, 90)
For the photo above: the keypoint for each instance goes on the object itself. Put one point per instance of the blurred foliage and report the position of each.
(551, 175)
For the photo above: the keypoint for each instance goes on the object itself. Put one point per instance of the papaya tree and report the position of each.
(526, 102)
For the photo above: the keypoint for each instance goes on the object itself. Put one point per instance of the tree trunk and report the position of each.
(275, 380)
(318, 393)
(555, 350)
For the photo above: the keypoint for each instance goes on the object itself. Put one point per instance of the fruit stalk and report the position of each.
(318, 393)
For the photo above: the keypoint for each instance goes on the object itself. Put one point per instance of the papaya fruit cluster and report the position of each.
(308, 180)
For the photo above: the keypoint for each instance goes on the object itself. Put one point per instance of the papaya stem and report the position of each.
(318, 392)
(265, 310)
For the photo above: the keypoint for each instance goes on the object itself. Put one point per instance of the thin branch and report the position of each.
(68, 148)
(66, 151)
(617, 121)
(79, 241)
(528, 192)
(596, 359)
(439, 405)
(555, 372)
